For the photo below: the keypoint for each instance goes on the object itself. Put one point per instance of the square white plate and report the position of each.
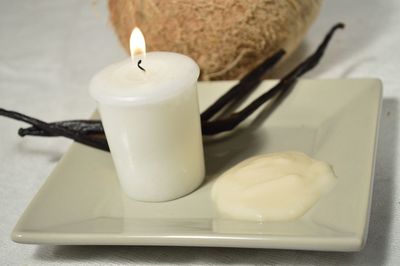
(332, 120)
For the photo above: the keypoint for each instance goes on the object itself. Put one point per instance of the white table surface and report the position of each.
(49, 50)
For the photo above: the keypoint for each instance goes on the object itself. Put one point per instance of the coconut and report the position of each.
(227, 38)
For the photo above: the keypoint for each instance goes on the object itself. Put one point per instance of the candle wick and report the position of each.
(138, 64)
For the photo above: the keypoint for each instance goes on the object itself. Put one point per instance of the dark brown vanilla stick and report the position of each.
(229, 123)
(91, 132)
(56, 130)
(86, 127)
(245, 86)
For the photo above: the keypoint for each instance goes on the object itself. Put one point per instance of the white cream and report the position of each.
(272, 187)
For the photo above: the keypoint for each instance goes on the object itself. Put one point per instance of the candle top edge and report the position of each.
(165, 74)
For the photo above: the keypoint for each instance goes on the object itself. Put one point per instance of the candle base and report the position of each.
(162, 194)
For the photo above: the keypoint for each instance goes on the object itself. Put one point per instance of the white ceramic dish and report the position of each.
(332, 120)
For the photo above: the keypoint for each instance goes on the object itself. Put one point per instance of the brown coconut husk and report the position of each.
(227, 38)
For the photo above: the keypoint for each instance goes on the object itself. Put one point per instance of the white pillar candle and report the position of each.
(152, 124)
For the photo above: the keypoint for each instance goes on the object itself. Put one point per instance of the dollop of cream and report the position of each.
(272, 187)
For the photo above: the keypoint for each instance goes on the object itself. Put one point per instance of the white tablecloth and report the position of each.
(50, 49)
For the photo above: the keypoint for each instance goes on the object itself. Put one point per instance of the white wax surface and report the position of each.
(272, 187)
(124, 83)
(152, 123)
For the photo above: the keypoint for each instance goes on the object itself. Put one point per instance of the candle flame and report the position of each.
(137, 44)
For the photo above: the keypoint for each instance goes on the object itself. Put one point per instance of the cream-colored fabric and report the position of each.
(50, 49)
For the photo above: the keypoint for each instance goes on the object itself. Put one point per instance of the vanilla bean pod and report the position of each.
(57, 130)
(229, 123)
(245, 86)
(91, 132)
(86, 127)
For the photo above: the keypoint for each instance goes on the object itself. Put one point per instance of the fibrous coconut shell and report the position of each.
(227, 38)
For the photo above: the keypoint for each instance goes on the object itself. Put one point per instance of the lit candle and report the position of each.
(149, 109)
